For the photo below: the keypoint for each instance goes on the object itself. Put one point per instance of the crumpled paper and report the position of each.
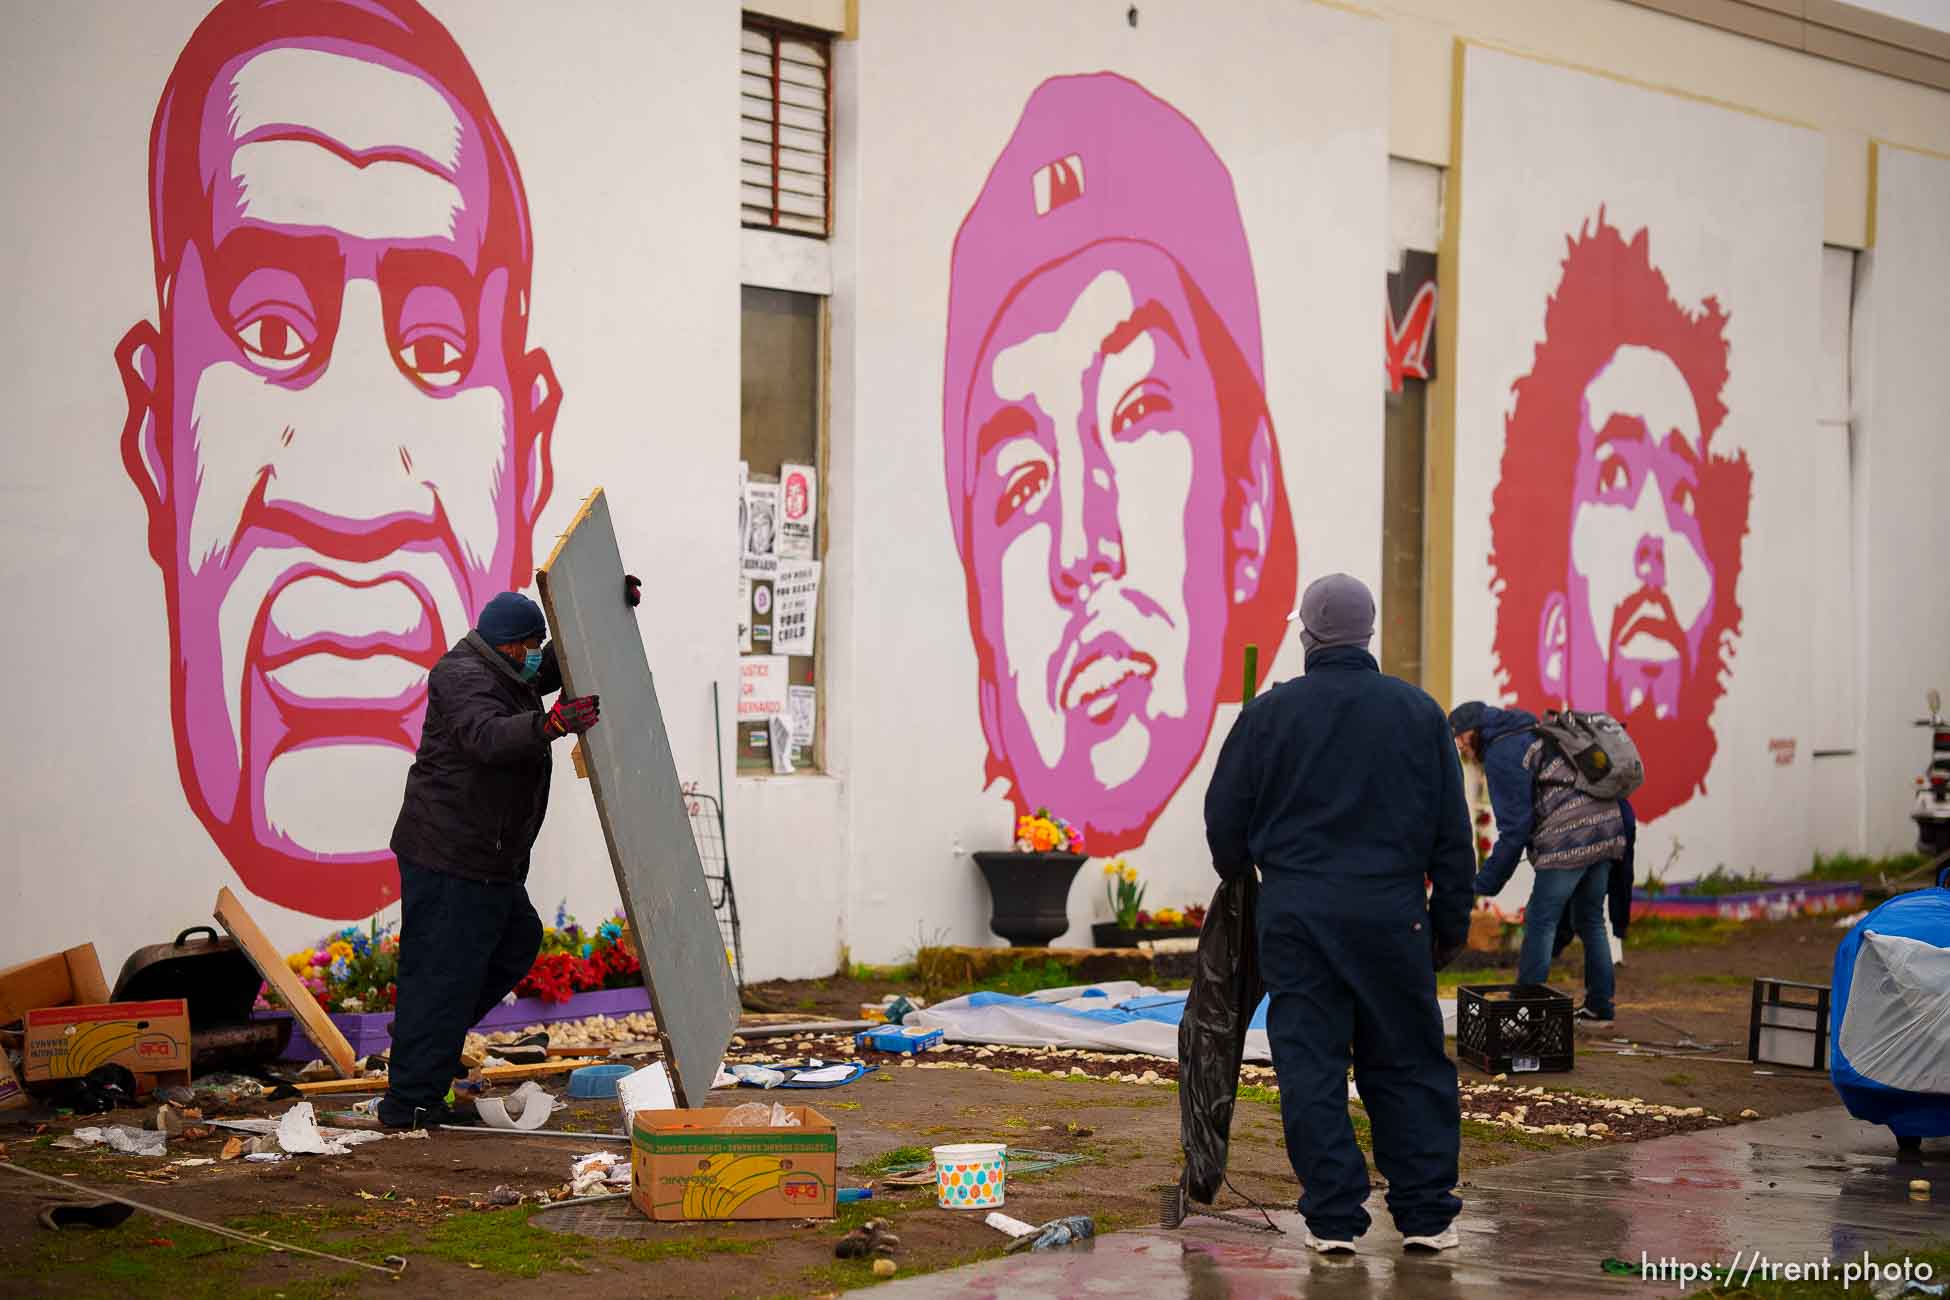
(124, 1138)
(599, 1172)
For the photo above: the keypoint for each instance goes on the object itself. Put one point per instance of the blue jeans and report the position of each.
(1584, 891)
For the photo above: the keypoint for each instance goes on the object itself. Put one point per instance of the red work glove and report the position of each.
(632, 590)
(577, 715)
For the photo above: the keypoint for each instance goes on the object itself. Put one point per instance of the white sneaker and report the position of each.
(1328, 1247)
(1444, 1240)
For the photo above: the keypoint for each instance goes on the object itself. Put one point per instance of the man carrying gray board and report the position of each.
(475, 799)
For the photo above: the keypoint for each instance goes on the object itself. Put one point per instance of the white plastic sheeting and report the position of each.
(1897, 1028)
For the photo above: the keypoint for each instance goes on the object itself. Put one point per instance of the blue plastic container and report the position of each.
(596, 1081)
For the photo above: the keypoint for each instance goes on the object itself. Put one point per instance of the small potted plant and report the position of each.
(1029, 885)
(1132, 924)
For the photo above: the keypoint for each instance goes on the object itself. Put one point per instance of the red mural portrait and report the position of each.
(336, 425)
(1617, 523)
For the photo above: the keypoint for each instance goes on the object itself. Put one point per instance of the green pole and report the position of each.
(1252, 673)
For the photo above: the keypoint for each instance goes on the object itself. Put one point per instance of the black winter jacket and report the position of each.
(1347, 780)
(478, 788)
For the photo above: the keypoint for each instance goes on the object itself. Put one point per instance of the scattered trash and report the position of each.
(906, 1040)
(1003, 1223)
(871, 1238)
(757, 1076)
(177, 1095)
(232, 1149)
(125, 1138)
(756, 1114)
(504, 1195)
(971, 1175)
(528, 1107)
(1848, 922)
(599, 1172)
(1750, 1113)
(884, 1267)
(194, 1163)
(1891, 1288)
(102, 1089)
(646, 1089)
(848, 1195)
(1057, 1232)
(266, 1157)
(298, 1133)
(84, 1214)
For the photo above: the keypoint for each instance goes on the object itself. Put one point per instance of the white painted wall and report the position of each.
(627, 146)
(935, 95)
(1902, 321)
(1543, 148)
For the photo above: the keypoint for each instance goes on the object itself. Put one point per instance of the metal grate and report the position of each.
(785, 117)
(707, 824)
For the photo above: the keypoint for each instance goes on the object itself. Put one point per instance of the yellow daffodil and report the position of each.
(1130, 875)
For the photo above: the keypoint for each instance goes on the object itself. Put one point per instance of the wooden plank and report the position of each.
(493, 1074)
(640, 802)
(305, 1010)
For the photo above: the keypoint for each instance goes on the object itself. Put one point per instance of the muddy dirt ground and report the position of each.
(426, 1199)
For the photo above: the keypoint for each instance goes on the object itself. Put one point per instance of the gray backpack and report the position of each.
(1603, 758)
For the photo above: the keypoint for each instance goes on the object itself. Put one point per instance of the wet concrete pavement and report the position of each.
(1800, 1189)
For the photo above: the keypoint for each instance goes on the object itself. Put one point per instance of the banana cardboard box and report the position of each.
(68, 1042)
(686, 1164)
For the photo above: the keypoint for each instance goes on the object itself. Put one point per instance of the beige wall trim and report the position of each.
(1828, 29)
(834, 16)
(1439, 487)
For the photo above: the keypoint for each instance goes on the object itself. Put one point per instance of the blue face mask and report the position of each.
(531, 664)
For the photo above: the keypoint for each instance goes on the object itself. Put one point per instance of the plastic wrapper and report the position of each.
(759, 1114)
(1226, 989)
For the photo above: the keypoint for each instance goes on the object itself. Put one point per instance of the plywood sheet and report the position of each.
(311, 1017)
(641, 803)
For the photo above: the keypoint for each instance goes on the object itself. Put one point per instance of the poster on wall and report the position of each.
(761, 529)
(798, 511)
(1633, 404)
(761, 614)
(744, 615)
(802, 707)
(761, 687)
(797, 598)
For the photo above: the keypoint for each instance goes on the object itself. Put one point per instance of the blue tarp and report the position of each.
(1164, 1008)
(1923, 916)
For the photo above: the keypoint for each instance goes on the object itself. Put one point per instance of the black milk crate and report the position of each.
(1514, 1028)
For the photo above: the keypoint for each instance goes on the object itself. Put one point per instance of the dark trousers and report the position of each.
(464, 945)
(1354, 983)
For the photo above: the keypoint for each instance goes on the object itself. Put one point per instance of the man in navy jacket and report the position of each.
(1343, 787)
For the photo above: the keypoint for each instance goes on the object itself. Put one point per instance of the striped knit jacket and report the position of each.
(1572, 829)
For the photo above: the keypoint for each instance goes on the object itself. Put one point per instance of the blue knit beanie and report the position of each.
(511, 616)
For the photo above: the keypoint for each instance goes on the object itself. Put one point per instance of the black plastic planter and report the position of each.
(1030, 894)
(1109, 934)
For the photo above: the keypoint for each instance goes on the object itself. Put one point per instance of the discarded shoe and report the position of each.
(1444, 1240)
(84, 1214)
(870, 1238)
(532, 1050)
(1328, 1246)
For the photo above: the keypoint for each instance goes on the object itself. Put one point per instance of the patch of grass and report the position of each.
(898, 1156)
(1498, 1135)
(1677, 1080)
(501, 1241)
(1853, 866)
(1658, 933)
(865, 974)
(839, 1105)
(1719, 882)
(648, 1251)
(143, 1255)
(807, 1004)
(1037, 1076)
(1259, 1093)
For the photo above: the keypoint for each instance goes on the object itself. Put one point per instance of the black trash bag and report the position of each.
(1226, 989)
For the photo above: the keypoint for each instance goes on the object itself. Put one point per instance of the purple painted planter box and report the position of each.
(371, 1031)
(1789, 898)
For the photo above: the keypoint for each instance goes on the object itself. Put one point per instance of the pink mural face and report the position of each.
(1112, 470)
(340, 436)
(1617, 529)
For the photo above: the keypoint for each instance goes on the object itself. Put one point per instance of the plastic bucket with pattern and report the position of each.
(971, 1175)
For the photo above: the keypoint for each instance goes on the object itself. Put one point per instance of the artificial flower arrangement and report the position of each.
(350, 970)
(1172, 918)
(354, 970)
(1044, 832)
